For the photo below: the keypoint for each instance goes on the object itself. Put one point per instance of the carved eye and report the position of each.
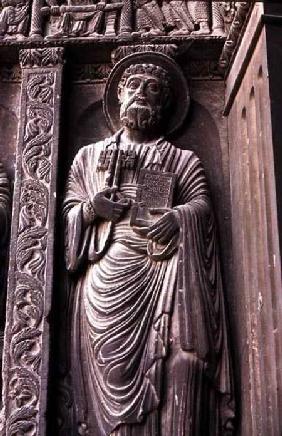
(154, 87)
(134, 84)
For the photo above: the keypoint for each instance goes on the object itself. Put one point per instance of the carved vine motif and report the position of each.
(34, 205)
(23, 393)
(38, 131)
(38, 137)
(24, 348)
(42, 57)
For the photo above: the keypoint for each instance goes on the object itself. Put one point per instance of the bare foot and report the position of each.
(204, 30)
(218, 32)
(180, 32)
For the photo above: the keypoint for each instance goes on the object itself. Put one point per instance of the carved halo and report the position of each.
(180, 91)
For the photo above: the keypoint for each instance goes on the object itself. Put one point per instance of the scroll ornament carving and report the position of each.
(43, 57)
(24, 392)
(25, 347)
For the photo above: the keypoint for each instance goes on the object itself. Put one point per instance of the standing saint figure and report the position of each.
(150, 353)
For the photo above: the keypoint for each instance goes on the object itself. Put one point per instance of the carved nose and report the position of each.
(141, 96)
(141, 89)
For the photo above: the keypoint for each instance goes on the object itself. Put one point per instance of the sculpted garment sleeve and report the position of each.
(79, 192)
(200, 295)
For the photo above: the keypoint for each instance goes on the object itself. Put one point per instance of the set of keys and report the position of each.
(127, 159)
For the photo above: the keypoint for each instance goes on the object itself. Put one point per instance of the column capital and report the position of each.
(41, 57)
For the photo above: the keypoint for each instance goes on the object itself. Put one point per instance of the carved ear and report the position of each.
(166, 99)
(120, 93)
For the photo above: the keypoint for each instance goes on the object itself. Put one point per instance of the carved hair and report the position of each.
(153, 70)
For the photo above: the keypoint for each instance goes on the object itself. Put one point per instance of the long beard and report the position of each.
(141, 117)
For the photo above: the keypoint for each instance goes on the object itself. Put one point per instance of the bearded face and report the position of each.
(141, 102)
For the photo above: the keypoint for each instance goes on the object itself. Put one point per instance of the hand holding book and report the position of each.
(163, 230)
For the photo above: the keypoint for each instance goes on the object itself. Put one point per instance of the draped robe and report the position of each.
(150, 350)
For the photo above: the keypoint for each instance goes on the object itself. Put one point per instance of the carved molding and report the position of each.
(125, 50)
(98, 73)
(139, 22)
(29, 285)
(236, 29)
(41, 57)
(90, 73)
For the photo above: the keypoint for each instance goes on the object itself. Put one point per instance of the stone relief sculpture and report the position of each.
(129, 18)
(150, 353)
(149, 18)
(178, 17)
(28, 304)
(209, 17)
(14, 19)
(77, 22)
(74, 18)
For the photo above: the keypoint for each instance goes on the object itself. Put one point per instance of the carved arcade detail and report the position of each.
(55, 19)
(145, 18)
(127, 20)
(29, 286)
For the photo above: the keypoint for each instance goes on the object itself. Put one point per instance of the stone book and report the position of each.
(155, 191)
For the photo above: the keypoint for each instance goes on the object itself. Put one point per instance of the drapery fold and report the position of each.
(126, 302)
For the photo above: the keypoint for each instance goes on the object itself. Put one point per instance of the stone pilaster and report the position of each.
(26, 347)
(253, 108)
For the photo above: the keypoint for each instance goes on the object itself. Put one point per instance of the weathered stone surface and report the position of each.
(253, 159)
(25, 358)
(153, 352)
(252, 101)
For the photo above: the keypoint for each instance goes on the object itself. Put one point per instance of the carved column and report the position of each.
(26, 355)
